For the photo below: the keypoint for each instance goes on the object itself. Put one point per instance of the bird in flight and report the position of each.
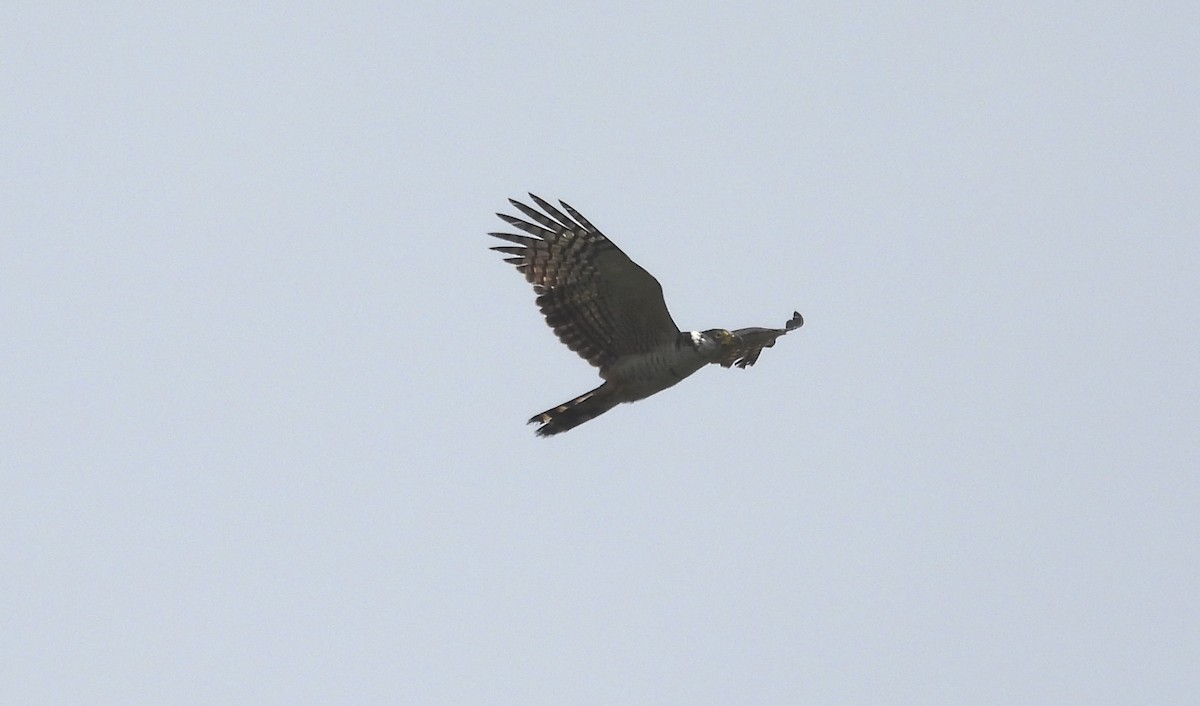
(610, 311)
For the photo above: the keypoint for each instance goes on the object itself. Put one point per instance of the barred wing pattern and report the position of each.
(611, 312)
(601, 304)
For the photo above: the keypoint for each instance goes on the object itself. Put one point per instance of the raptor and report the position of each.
(610, 311)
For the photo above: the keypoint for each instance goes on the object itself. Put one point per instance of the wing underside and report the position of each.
(600, 303)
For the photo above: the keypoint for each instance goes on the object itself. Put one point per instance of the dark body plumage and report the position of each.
(611, 312)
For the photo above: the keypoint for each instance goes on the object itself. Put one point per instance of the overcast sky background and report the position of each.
(264, 387)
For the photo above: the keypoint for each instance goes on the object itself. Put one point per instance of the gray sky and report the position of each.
(264, 388)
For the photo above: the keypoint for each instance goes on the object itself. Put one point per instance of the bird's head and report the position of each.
(723, 337)
(715, 343)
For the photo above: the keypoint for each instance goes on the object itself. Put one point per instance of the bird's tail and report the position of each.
(569, 415)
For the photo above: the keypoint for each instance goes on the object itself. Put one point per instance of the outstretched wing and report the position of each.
(752, 341)
(601, 304)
